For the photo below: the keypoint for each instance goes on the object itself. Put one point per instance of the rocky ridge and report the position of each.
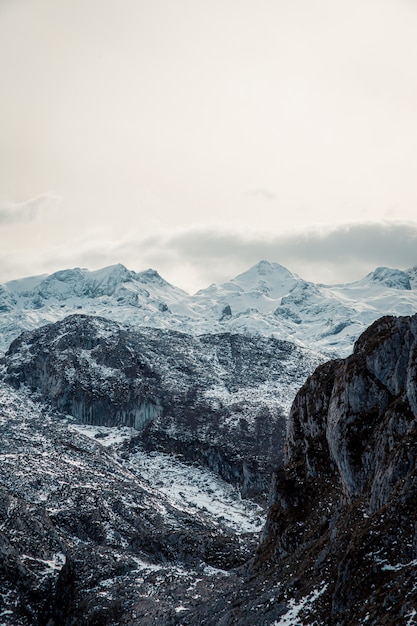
(219, 400)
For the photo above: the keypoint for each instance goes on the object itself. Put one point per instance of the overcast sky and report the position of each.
(199, 136)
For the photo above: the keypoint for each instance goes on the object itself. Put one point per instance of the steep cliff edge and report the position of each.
(340, 543)
(343, 509)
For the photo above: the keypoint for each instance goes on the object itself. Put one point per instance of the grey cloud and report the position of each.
(352, 250)
(340, 254)
(194, 258)
(11, 212)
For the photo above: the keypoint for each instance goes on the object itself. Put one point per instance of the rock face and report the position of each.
(218, 400)
(86, 373)
(340, 543)
(356, 412)
(343, 508)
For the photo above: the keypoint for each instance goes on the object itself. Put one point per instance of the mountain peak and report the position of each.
(271, 278)
(265, 267)
(392, 278)
(152, 276)
(116, 272)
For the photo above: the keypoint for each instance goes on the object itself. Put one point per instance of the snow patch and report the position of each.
(106, 435)
(195, 489)
(295, 608)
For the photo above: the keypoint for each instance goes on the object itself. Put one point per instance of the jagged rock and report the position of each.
(391, 278)
(342, 509)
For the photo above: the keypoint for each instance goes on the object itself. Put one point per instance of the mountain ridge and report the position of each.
(265, 300)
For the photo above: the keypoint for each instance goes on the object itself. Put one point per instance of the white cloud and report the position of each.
(265, 194)
(29, 210)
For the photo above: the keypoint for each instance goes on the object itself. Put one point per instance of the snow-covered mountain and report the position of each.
(218, 400)
(104, 523)
(266, 300)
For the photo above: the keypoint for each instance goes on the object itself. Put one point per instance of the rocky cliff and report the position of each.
(340, 543)
(341, 522)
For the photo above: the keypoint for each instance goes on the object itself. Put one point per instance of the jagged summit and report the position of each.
(117, 272)
(106, 279)
(151, 276)
(266, 268)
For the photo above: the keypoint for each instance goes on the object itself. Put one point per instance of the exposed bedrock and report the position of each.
(343, 507)
(352, 415)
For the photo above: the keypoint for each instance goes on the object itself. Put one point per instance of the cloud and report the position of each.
(339, 253)
(194, 258)
(11, 212)
(264, 194)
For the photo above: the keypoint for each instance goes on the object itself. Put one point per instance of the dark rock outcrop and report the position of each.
(343, 508)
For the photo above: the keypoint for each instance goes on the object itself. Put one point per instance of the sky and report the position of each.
(200, 136)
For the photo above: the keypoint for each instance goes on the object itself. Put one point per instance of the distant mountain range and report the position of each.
(266, 300)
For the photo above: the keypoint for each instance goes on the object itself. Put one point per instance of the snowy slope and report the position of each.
(113, 292)
(85, 530)
(265, 300)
